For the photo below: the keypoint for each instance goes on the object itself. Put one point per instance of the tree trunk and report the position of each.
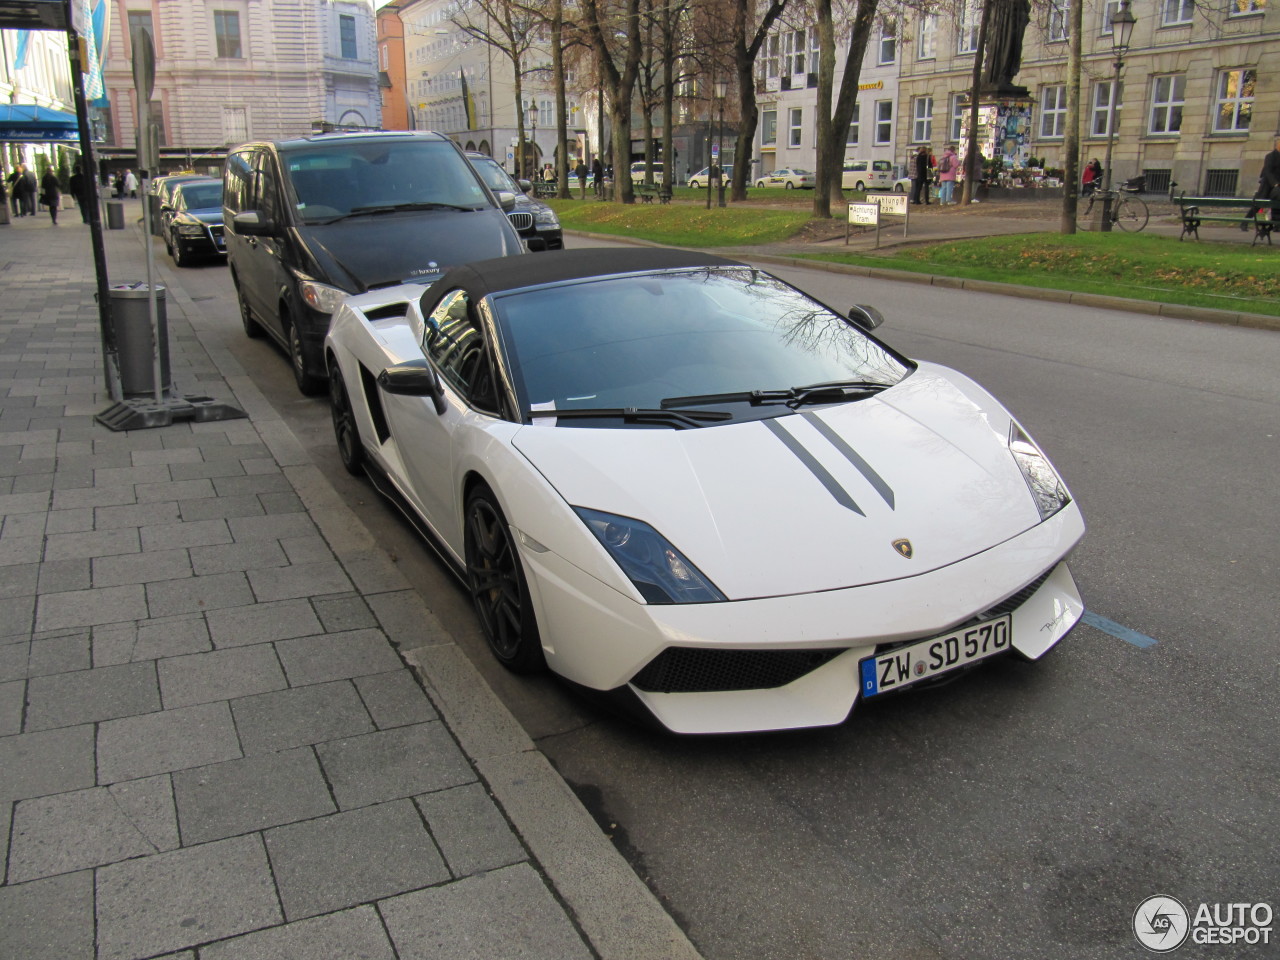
(826, 173)
(975, 92)
(1071, 141)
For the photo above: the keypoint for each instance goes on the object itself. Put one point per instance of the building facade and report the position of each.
(233, 70)
(1198, 104)
(391, 75)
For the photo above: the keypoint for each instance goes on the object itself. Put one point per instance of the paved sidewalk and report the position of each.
(229, 728)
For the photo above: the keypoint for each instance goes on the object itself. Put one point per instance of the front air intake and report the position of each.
(698, 670)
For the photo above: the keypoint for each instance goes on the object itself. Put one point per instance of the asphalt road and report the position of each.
(1027, 809)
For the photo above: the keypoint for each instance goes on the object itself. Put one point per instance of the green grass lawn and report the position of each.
(682, 224)
(1143, 267)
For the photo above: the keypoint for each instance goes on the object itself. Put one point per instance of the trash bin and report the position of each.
(115, 215)
(131, 324)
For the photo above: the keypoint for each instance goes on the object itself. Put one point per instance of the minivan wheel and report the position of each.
(308, 383)
(251, 328)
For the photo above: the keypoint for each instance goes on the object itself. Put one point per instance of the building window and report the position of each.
(922, 120)
(347, 35)
(927, 41)
(768, 127)
(1053, 111)
(967, 27)
(1235, 100)
(1177, 12)
(1102, 107)
(771, 58)
(793, 53)
(884, 122)
(1243, 8)
(1168, 95)
(888, 44)
(235, 124)
(1109, 10)
(852, 138)
(226, 31)
(796, 115)
(959, 111)
(1059, 22)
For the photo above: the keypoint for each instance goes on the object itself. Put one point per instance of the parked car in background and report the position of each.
(637, 171)
(699, 179)
(789, 178)
(867, 175)
(311, 220)
(536, 222)
(191, 221)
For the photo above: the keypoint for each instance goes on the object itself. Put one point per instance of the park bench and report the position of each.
(648, 194)
(1233, 210)
(543, 189)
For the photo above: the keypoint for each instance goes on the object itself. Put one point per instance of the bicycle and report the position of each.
(1128, 210)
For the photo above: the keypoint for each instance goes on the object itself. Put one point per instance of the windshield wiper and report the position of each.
(792, 396)
(397, 208)
(685, 420)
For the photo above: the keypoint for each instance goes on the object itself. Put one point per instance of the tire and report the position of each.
(860, 186)
(788, 185)
(308, 383)
(345, 431)
(495, 579)
(180, 259)
(251, 328)
(760, 184)
(1131, 214)
(899, 188)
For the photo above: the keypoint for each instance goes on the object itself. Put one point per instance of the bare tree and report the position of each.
(1071, 141)
(971, 156)
(833, 133)
(613, 27)
(747, 37)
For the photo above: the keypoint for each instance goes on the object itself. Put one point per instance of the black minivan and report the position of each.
(312, 220)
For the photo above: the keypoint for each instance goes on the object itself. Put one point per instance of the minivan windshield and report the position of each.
(332, 181)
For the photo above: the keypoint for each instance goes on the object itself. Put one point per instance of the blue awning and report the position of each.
(29, 123)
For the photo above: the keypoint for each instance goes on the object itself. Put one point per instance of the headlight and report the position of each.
(1046, 489)
(319, 297)
(659, 571)
(546, 216)
(190, 229)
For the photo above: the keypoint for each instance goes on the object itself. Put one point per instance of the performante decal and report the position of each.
(818, 470)
(852, 456)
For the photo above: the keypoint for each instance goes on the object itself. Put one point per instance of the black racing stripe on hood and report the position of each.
(840, 494)
(837, 441)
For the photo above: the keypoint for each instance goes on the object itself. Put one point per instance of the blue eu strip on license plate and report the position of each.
(907, 664)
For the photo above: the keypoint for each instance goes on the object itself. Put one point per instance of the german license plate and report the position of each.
(928, 658)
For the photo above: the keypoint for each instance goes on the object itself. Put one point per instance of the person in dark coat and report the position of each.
(80, 190)
(580, 171)
(28, 196)
(597, 175)
(12, 180)
(1268, 181)
(51, 194)
(921, 174)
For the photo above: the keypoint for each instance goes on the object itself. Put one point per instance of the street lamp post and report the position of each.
(722, 90)
(1122, 22)
(533, 139)
(711, 163)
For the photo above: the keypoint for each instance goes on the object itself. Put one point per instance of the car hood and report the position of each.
(204, 215)
(812, 501)
(385, 249)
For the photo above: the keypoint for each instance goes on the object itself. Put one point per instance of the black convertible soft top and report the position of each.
(553, 266)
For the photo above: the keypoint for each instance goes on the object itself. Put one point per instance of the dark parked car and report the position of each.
(191, 222)
(312, 220)
(536, 222)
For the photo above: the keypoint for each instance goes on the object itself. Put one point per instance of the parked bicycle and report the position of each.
(1128, 210)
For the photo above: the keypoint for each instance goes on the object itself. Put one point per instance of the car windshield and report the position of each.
(636, 341)
(200, 196)
(494, 176)
(331, 180)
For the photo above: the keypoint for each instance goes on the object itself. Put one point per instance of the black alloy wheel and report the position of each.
(308, 383)
(498, 588)
(180, 257)
(345, 431)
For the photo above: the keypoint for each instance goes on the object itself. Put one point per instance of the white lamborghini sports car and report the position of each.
(679, 481)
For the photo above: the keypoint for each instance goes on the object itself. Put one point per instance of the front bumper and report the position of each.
(600, 639)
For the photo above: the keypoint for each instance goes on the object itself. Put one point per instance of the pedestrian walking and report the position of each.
(79, 185)
(580, 171)
(597, 176)
(12, 181)
(130, 184)
(1091, 178)
(921, 174)
(27, 199)
(1268, 181)
(51, 194)
(948, 170)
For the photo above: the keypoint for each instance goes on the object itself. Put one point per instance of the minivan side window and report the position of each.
(456, 344)
(237, 183)
(267, 187)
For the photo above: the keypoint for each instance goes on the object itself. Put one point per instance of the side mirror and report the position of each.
(414, 378)
(506, 200)
(251, 224)
(866, 316)
(526, 185)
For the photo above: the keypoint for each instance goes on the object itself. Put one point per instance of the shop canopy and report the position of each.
(29, 123)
